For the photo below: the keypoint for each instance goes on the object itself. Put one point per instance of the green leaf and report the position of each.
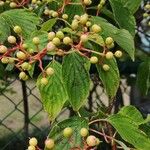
(63, 143)
(21, 17)
(76, 78)
(111, 78)
(143, 77)
(47, 26)
(127, 125)
(121, 36)
(123, 16)
(132, 5)
(54, 94)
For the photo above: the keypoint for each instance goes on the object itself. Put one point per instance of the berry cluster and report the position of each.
(146, 15)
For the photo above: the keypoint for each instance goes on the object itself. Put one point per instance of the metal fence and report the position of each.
(22, 114)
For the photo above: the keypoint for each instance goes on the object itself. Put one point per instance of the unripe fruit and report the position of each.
(56, 41)
(3, 49)
(149, 23)
(51, 46)
(84, 132)
(44, 81)
(46, 11)
(118, 54)
(25, 46)
(22, 75)
(65, 16)
(103, 2)
(33, 141)
(36, 40)
(84, 19)
(21, 55)
(109, 40)
(17, 29)
(110, 46)
(2, 3)
(11, 60)
(77, 17)
(91, 140)
(67, 40)
(13, 5)
(55, 14)
(93, 60)
(147, 6)
(95, 28)
(88, 24)
(11, 39)
(67, 132)
(49, 143)
(49, 71)
(145, 15)
(109, 55)
(5, 60)
(87, 2)
(34, 1)
(60, 34)
(84, 38)
(31, 148)
(26, 66)
(106, 67)
(75, 24)
(51, 35)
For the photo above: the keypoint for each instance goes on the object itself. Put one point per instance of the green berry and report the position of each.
(106, 67)
(51, 46)
(84, 19)
(25, 46)
(17, 29)
(3, 49)
(67, 132)
(26, 66)
(31, 148)
(65, 16)
(145, 15)
(60, 34)
(87, 2)
(11, 60)
(67, 40)
(84, 38)
(21, 55)
(56, 41)
(2, 3)
(5, 60)
(34, 1)
(44, 81)
(49, 71)
(49, 143)
(55, 14)
(111, 46)
(109, 40)
(46, 11)
(96, 28)
(91, 141)
(118, 54)
(11, 39)
(36, 41)
(22, 75)
(51, 35)
(84, 132)
(74, 24)
(93, 60)
(109, 55)
(88, 24)
(103, 2)
(13, 5)
(77, 17)
(33, 141)
(147, 6)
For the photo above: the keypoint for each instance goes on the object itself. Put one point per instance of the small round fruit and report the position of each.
(51, 46)
(11, 39)
(36, 40)
(49, 143)
(109, 55)
(33, 141)
(5, 60)
(17, 29)
(31, 148)
(145, 15)
(3, 49)
(51, 35)
(22, 75)
(60, 34)
(67, 132)
(49, 71)
(96, 28)
(149, 23)
(25, 46)
(87, 2)
(21, 55)
(118, 54)
(13, 5)
(109, 40)
(106, 67)
(84, 132)
(74, 24)
(46, 11)
(88, 24)
(67, 40)
(26, 66)
(147, 6)
(84, 38)
(91, 141)
(56, 41)
(11, 60)
(110, 46)
(2, 3)
(103, 2)
(93, 60)
(44, 81)
(84, 19)
(65, 16)
(77, 17)
(55, 14)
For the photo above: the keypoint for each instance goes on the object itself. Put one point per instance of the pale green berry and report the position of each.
(91, 141)
(13, 5)
(84, 19)
(93, 60)
(17, 29)
(67, 132)
(147, 6)
(25, 46)
(65, 16)
(31, 148)
(36, 40)
(49, 71)
(55, 14)
(109, 40)
(109, 55)
(5, 60)
(11, 39)
(21, 55)
(60, 34)
(67, 40)
(51, 35)
(26, 66)
(56, 41)
(2, 3)
(3, 49)
(145, 15)
(11, 60)
(49, 143)
(87, 2)
(74, 24)
(110, 46)
(96, 28)
(77, 17)
(88, 24)
(106, 67)
(84, 38)
(51, 46)
(118, 54)
(44, 81)
(33, 141)
(46, 11)
(22, 75)
(84, 132)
